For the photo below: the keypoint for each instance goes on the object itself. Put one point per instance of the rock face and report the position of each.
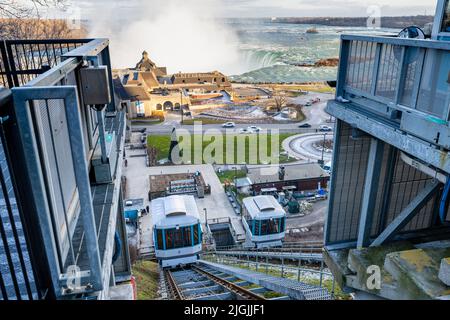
(444, 271)
(145, 64)
(331, 62)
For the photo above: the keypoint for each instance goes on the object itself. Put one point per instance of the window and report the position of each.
(159, 239)
(187, 236)
(169, 239)
(446, 19)
(196, 235)
(271, 226)
(179, 238)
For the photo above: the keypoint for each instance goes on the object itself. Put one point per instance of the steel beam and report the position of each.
(408, 213)
(370, 192)
(401, 140)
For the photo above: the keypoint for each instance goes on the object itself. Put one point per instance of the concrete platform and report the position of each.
(408, 271)
(444, 271)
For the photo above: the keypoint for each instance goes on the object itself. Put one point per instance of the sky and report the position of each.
(279, 8)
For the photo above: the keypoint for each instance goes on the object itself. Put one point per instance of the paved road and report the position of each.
(315, 116)
(301, 146)
(316, 216)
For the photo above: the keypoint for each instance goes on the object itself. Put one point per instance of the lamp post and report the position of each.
(181, 106)
(323, 148)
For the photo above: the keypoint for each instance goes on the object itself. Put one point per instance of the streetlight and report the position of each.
(181, 105)
(323, 148)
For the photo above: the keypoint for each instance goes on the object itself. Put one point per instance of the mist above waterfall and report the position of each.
(182, 35)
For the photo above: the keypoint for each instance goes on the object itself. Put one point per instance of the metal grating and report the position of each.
(56, 155)
(349, 171)
(350, 165)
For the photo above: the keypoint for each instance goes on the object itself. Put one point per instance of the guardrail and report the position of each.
(286, 271)
(23, 60)
(54, 136)
(402, 74)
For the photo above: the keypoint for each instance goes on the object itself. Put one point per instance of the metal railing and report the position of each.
(23, 60)
(17, 278)
(55, 137)
(401, 74)
(297, 247)
(300, 272)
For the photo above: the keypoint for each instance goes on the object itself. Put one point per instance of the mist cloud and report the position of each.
(184, 35)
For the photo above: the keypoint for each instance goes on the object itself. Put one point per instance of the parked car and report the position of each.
(254, 129)
(305, 126)
(324, 128)
(229, 125)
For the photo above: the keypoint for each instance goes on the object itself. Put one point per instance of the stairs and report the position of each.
(407, 271)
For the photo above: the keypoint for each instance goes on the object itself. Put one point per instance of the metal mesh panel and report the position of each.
(348, 188)
(406, 185)
(349, 178)
(56, 153)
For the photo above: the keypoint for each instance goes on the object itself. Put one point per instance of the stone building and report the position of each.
(148, 88)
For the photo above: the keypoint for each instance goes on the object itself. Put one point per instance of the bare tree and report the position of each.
(280, 100)
(21, 19)
(28, 8)
(37, 29)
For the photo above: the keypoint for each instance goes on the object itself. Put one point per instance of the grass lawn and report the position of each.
(146, 122)
(190, 122)
(231, 175)
(250, 143)
(147, 279)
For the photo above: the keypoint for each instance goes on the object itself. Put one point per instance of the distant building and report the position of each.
(304, 177)
(149, 89)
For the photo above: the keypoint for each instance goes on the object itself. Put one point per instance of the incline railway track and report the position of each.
(202, 283)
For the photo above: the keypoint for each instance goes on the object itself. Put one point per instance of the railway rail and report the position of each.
(203, 283)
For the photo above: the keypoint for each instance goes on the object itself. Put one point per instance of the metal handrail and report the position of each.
(364, 56)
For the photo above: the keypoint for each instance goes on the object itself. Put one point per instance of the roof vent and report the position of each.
(264, 203)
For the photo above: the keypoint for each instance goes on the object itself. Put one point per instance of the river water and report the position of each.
(273, 51)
